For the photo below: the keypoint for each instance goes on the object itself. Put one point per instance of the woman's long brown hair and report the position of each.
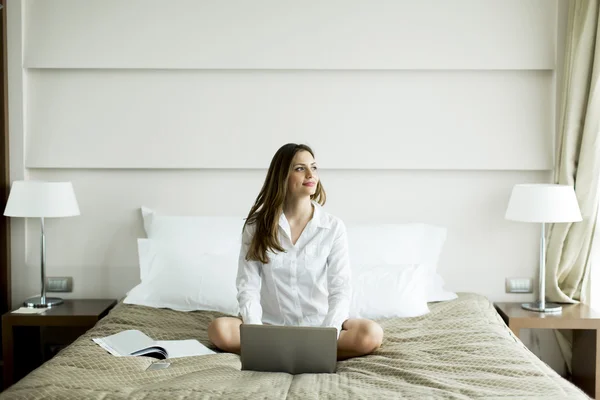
(267, 208)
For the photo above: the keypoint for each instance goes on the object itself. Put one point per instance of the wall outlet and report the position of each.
(519, 285)
(59, 284)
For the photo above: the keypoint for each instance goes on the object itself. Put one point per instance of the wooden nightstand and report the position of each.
(585, 324)
(28, 340)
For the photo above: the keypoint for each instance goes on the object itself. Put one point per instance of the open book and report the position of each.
(134, 343)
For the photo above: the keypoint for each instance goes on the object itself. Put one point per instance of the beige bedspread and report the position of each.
(461, 350)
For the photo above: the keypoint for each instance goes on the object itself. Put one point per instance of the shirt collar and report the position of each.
(319, 219)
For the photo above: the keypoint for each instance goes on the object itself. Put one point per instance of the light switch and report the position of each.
(519, 285)
(59, 284)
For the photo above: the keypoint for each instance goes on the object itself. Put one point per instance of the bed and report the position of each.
(460, 350)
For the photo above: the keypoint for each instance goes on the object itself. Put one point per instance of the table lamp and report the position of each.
(543, 203)
(37, 199)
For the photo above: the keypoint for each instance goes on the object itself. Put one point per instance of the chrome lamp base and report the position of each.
(541, 305)
(36, 302)
(48, 302)
(545, 308)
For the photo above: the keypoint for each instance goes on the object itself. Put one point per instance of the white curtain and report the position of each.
(578, 154)
(573, 252)
(591, 286)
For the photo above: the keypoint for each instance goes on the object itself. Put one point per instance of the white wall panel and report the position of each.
(98, 248)
(237, 119)
(286, 34)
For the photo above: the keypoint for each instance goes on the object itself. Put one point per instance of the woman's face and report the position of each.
(303, 177)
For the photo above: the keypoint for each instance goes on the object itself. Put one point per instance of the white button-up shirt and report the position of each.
(307, 285)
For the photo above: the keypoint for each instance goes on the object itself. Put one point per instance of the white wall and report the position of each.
(98, 247)
(473, 120)
(418, 111)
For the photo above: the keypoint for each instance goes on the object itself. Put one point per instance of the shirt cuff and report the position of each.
(338, 328)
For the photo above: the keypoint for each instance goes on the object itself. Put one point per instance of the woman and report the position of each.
(293, 266)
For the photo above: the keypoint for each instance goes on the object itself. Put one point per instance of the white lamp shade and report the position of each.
(548, 203)
(41, 199)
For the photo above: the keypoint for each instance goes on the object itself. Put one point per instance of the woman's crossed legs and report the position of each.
(358, 337)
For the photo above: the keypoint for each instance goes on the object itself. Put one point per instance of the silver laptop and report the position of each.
(291, 349)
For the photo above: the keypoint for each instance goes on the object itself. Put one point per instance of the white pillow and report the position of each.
(377, 244)
(181, 276)
(432, 248)
(384, 292)
(214, 235)
(436, 291)
(399, 245)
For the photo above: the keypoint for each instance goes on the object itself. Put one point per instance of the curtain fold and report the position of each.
(577, 154)
(569, 251)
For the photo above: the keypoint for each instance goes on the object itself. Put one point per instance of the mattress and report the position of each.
(460, 350)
